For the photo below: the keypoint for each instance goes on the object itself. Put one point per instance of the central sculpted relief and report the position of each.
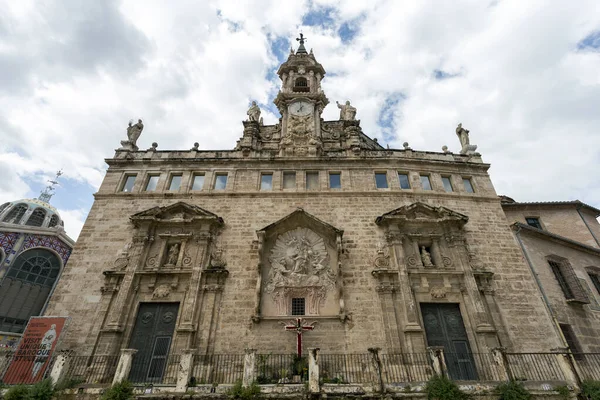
(300, 267)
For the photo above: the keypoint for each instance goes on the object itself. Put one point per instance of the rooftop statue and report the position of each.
(133, 133)
(463, 136)
(347, 112)
(254, 112)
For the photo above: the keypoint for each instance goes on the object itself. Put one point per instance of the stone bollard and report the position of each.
(60, 366)
(186, 364)
(436, 353)
(313, 370)
(566, 365)
(504, 373)
(249, 367)
(124, 365)
(377, 366)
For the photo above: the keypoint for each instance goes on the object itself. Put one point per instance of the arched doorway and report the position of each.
(26, 286)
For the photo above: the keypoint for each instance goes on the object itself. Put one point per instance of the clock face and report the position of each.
(301, 108)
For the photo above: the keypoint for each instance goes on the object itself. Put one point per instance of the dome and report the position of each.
(30, 212)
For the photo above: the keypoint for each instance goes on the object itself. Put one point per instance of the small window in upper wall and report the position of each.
(152, 183)
(404, 182)
(468, 185)
(425, 182)
(447, 184)
(312, 180)
(381, 180)
(289, 180)
(533, 221)
(175, 182)
(298, 306)
(266, 181)
(129, 182)
(220, 181)
(595, 280)
(198, 182)
(335, 180)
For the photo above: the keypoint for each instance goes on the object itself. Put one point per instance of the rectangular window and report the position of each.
(289, 180)
(175, 182)
(404, 182)
(312, 180)
(571, 339)
(596, 281)
(568, 282)
(381, 180)
(198, 182)
(468, 185)
(152, 183)
(447, 184)
(128, 184)
(335, 180)
(425, 182)
(298, 306)
(266, 181)
(220, 181)
(535, 222)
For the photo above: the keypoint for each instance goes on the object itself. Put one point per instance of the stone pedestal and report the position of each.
(60, 365)
(313, 370)
(436, 353)
(124, 366)
(249, 367)
(186, 364)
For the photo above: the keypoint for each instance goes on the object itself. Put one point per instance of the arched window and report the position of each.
(37, 217)
(26, 287)
(53, 221)
(14, 216)
(301, 85)
(3, 207)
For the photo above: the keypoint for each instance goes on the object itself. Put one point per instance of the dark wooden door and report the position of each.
(151, 337)
(444, 327)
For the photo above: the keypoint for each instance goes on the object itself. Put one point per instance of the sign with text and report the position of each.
(33, 355)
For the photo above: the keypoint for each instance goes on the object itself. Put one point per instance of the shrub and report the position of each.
(119, 391)
(513, 390)
(442, 388)
(591, 390)
(17, 392)
(42, 390)
(242, 393)
(563, 391)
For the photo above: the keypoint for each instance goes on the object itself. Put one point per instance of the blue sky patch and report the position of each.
(322, 16)
(440, 75)
(386, 118)
(590, 42)
(349, 29)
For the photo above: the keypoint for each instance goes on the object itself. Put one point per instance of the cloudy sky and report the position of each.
(522, 76)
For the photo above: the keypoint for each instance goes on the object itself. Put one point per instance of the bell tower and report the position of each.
(301, 102)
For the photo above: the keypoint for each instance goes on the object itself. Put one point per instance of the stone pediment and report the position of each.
(424, 213)
(179, 212)
(300, 218)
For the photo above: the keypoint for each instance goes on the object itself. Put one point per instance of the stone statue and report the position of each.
(133, 134)
(347, 112)
(426, 257)
(254, 112)
(463, 136)
(173, 254)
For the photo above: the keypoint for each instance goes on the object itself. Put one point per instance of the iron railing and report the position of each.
(90, 369)
(281, 368)
(534, 367)
(154, 370)
(588, 365)
(217, 369)
(347, 368)
(406, 367)
(473, 367)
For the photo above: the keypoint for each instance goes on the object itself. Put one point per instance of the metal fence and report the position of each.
(155, 370)
(90, 369)
(473, 367)
(281, 368)
(347, 368)
(588, 365)
(217, 369)
(534, 367)
(406, 367)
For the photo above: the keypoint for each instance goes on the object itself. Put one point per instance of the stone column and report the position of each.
(186, 365)
(313, 370)
(249, 367)
(59, 367)
(378, 369)
(566, 365)
(504, 373)
(436, 353)
(124, 365)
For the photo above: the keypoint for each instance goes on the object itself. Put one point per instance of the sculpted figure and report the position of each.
(134, 131)
(463, 135)
(426, 257)
(347, 112)
(173, 254)
(254, 112)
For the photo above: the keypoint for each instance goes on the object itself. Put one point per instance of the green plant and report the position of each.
(238, 391)
(513, 390)
(591, 390)
(563, 391)
(442, 388)
(192, 382)
(119, 391)
(68, 384)
(17, 392)
(42, 390)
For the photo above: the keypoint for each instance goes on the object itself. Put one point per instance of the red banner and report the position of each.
(33, 355)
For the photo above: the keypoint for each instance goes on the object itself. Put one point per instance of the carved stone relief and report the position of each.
(161, 292)
(382, 260)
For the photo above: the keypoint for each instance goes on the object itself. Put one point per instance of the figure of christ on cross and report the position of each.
(299, 326)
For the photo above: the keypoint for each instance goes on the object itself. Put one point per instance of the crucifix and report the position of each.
(299, 326)
(301, 39)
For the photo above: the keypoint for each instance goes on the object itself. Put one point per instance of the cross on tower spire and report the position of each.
(47, 193)
(301, 48)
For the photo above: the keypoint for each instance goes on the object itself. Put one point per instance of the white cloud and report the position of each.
(75, 73)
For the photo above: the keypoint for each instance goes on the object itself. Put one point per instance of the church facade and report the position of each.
(214, 251)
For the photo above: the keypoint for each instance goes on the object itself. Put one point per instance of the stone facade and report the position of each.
(306, 210)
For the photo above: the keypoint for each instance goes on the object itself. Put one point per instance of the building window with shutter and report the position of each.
(568, 281)
(595, 278)
(571, 340)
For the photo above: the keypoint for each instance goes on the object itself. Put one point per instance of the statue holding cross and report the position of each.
(299, 326)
